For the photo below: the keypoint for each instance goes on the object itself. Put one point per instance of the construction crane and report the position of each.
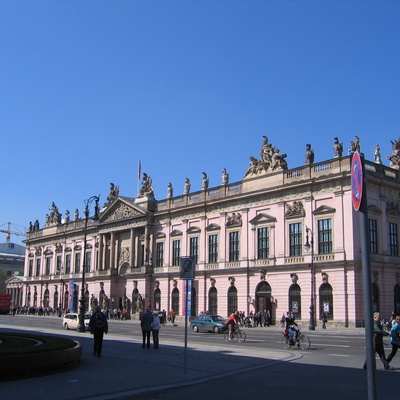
(9, 232)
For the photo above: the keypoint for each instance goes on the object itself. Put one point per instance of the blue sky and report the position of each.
(88, 87)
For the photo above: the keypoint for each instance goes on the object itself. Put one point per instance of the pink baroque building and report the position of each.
(247, 238)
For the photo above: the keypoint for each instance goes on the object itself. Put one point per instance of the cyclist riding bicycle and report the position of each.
(291, 327)
(232, 321)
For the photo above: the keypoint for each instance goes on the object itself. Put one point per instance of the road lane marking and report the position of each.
(339, 355)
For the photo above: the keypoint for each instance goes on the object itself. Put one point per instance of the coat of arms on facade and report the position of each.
(270, 160)
(295, 210)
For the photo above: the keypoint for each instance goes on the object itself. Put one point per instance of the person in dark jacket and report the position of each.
(379, 333)
(145, 324)
(98, 326)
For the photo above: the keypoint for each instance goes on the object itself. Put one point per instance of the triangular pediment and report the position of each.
(13, 280)
(122, 208)
(194, 229)
(374, 209)
(263, 218)
(213, 227)
(324, 210)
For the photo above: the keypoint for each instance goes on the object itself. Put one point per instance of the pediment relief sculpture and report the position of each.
(213, 227)
(176, 232)
(121, 211)
(374, 210)
(194, 229)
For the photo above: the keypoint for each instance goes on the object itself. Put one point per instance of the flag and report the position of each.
(139, 169)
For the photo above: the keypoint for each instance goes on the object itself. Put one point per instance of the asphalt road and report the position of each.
(329, 370)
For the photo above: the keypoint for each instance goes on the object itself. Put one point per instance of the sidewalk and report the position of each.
(125, 369)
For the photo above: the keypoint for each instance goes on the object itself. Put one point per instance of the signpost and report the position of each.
(359, 199)
(188, 267)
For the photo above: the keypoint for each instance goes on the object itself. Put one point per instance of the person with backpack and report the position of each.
(98, 326)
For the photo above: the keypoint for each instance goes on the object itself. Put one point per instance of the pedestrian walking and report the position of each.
(145, 324)
(379, 333)
(395, 338)
(155, 329)
(98, 326)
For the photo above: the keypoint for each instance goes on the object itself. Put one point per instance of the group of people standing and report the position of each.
(379, 333)
(150, 324)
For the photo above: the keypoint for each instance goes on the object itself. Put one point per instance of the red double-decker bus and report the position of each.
(5, 303)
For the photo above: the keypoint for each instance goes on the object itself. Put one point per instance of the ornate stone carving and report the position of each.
(122, 211)
(170, 191)
(262, 274)
(377, 154)
(146, 189)
(54, 217)
(114, 192)
(325, 277)
(294, 278)
(205, 182)
(212, 282)
(234, 219)
(270, 160)
(186, 188)
(232, 280)
(295, 210)
(125, 255)
(395, 157)
(392, 208)
(337, 148)
(309, 155)
(225, 177)
(355, 146)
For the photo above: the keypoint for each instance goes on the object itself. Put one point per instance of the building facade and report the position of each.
(247, 240)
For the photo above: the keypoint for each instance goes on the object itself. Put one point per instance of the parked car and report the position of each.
(208, 323)
(71, 320)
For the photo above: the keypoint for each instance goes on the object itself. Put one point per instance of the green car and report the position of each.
(208, 323)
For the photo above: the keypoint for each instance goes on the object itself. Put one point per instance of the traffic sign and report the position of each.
(356, 180)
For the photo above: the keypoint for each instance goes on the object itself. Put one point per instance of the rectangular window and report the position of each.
(48, 264)
(38, 267)
(30, 272)
(373, 236)
(295, 239)
(160, 255)
(176, 252)
(262, 243)
(234, 246)
(77, 263)
(88, 261)
(393, 240)
(324, 236)
(59, 258)
(194, 248)
(68, 263)
(213, 249)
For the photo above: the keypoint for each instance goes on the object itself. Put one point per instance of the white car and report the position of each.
(71, 321)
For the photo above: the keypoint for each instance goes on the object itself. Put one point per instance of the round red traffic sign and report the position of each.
(356, 180)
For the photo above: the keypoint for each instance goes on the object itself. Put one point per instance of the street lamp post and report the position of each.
(309, 245)
(82, 300)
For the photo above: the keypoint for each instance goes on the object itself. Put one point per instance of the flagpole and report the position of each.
(139, 175)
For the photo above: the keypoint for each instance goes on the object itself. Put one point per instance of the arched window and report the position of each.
(135, 296)
(175, 300)
(232, 300)
(326, 300)
(375, 297)
(87, 301)
(157, 299)
(66, 300)
(213, 301)
(194, 301)
(397, 299)
(46, 298)
(55, 300)
(295, 300)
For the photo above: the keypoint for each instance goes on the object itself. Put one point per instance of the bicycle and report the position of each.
(238, 334)
(299, 340)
